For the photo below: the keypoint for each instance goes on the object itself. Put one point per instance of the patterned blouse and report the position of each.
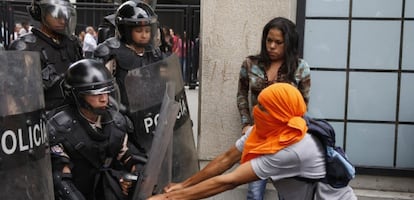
(253, 77)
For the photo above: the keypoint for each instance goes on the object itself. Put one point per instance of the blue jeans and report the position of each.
(256, 190)
(184, 69)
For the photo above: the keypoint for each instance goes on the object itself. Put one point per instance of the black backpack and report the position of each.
(339, 170)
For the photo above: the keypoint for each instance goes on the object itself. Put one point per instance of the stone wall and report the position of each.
(230, 31)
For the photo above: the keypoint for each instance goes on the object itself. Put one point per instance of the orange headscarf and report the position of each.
(278, 121)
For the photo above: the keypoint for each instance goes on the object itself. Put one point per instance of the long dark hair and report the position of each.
(291, 38)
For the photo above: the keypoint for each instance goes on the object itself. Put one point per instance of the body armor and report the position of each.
(125, 60)
(55, 59)
(94, 152)
(97, 153)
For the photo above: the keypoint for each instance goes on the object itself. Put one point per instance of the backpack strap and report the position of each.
(322, 130)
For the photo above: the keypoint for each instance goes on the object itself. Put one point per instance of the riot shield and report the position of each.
(144, 89)
(152, 181)
(25, 167)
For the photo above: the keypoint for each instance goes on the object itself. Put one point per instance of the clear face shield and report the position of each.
(155, 38)
(110, 88)
(155, 35)
(115, 99)
(114, 95)
(59, 16)
(140, 16)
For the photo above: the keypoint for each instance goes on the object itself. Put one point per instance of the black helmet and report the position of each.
(61, 9)
(132, 14)
(88, 76)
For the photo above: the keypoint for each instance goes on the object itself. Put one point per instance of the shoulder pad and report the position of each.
(113, 42)
(21, 43)
(29, 38)
(104, 50)
(73, 38)
(122, 121)
(62, 120)
(158, 54)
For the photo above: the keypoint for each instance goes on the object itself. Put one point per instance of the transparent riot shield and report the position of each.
(144, 88)
(25, 167)
(157, 172)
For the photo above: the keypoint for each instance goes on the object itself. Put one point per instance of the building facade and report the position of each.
(361, 54)
(362, 58)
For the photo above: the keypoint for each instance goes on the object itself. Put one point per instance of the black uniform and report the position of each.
(92, 153)
(142, 71)
(55, 56)
(126, 60)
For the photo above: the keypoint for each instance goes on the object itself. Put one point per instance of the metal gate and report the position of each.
(179, 17)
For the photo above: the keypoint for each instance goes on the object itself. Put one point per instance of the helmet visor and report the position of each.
(133, 14)
(99, 91)
(139, 21)
(59, 16)
(96, 89)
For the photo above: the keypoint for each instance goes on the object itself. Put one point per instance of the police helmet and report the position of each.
(58, 9)
(132, 14)
(88, 77)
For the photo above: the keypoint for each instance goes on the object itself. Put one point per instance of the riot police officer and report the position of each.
(133, 47)
(136, 60)
(55, 42)
(135, 42)
(88, 138)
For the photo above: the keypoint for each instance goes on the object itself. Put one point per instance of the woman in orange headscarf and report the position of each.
(276, 147)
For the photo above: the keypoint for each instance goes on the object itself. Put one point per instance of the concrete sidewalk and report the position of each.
(192, 99)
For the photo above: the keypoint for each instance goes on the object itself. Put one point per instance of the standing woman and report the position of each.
(278, 61)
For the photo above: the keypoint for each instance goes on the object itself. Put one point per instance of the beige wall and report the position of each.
(230, 30)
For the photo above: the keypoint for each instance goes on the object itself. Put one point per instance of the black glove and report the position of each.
(64, 188)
